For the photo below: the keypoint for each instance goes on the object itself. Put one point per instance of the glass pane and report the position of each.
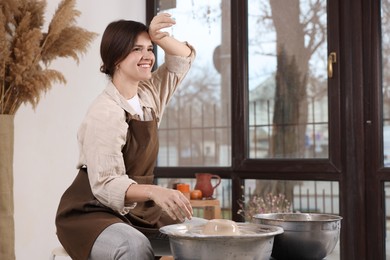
(276, 196)
(288, 97)
(386, 79)
(222, 193)
(195, 129)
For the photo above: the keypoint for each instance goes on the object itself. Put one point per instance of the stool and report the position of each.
(212, 208)
(58, 251)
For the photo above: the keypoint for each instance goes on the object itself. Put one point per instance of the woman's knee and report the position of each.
(138, 247)
(121, 242)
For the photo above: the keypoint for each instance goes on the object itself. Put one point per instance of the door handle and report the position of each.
(332, 58)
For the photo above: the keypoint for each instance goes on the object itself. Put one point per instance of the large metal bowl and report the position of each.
(189, 243)
(305, 236)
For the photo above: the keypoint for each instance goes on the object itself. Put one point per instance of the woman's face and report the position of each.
(138, 64)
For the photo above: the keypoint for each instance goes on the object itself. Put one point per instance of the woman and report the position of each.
(112, 207)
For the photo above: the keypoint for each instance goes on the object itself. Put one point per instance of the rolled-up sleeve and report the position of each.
(180, 65)
(102, 136)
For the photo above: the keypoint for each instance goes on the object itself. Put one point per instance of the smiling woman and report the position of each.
(27, 52)
(113, 199)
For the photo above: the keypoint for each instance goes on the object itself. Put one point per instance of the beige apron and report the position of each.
(81, 218)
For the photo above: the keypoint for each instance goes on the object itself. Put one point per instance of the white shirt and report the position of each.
(135, 104)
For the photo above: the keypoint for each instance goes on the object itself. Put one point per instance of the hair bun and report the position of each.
(104, 70)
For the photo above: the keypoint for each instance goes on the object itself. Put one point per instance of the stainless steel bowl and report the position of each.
(305, 236)
(189, 243)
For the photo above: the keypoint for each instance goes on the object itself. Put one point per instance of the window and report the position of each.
(196, 128)
(308, 106)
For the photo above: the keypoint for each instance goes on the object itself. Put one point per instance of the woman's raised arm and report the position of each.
(169, 44)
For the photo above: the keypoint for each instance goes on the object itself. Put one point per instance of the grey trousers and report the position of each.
(121, 241)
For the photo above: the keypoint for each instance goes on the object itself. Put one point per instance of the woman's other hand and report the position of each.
(173, 202)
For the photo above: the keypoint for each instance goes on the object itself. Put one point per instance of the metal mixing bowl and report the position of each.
(305, 236)
(189, 243)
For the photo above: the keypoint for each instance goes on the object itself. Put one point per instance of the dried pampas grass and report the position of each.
(26, 52)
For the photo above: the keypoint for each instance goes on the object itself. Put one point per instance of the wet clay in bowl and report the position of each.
(221, 227)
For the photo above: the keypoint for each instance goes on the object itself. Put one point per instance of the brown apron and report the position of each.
(81, 218)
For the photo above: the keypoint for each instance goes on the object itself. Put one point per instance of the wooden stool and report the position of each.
(212, 208)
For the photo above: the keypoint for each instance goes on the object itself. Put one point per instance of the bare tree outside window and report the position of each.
(288, 84)
(288, 103)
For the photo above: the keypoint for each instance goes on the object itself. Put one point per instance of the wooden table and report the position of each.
(212, 208)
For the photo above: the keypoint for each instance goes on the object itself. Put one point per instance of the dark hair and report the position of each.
(117, 42)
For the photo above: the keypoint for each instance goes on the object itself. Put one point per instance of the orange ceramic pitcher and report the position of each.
(203, 183)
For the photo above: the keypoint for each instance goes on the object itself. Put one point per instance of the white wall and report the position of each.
(46, 149)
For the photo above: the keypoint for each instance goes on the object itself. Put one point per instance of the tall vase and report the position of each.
(7, 226)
